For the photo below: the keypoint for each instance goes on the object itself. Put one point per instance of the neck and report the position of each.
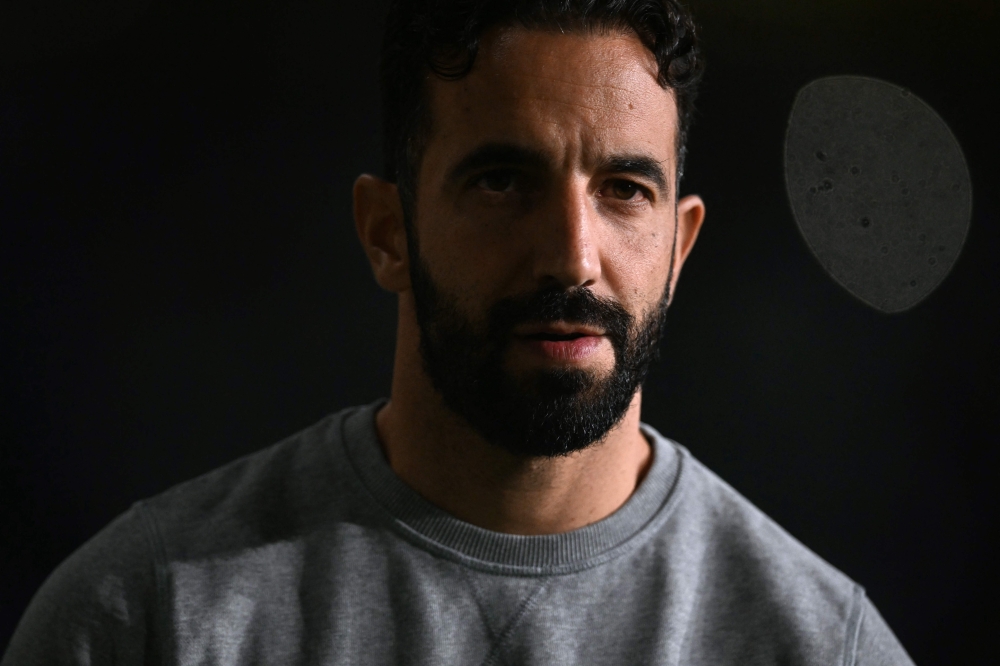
(449, 464)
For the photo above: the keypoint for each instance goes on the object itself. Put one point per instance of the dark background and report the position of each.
(181, 284)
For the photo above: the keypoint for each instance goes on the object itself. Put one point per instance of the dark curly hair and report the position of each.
(442, 36)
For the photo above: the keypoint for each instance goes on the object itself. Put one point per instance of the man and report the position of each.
(505, 505)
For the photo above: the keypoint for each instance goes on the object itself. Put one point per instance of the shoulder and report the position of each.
(744, 540)
(95, 607)
(103, 603)
(760, 590)
(264, 496)
(743, 536)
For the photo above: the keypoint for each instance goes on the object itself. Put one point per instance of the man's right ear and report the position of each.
(378, 219)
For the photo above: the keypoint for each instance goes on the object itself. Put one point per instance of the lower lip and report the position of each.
(566, 350)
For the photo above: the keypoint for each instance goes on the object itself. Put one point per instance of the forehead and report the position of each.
(576, 96)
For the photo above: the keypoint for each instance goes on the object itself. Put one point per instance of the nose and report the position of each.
(566, 239)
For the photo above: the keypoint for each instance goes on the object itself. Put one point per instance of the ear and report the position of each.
(378, 219)
(690, 215)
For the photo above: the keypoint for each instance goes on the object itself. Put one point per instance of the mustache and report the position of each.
(548, 305)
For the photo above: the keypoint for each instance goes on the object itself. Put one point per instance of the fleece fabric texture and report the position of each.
(314, 552)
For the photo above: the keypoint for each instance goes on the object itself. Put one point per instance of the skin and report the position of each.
(570, 215)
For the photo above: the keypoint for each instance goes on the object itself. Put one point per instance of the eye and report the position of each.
(496, 181)
(625, 190)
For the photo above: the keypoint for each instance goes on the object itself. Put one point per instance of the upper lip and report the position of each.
(557, 328)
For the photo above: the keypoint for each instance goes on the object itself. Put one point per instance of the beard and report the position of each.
(549, 412)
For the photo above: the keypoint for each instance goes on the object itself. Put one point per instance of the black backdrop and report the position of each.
(181, 283)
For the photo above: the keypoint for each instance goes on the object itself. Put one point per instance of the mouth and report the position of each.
(561, 342)
(558, 332)
(556, 337)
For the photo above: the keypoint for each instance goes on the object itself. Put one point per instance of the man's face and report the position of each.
(545, 221)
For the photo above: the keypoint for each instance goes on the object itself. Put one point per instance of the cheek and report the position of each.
(470, 262)
(638, 266)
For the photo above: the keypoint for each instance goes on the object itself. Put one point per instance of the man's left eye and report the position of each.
(624, 190)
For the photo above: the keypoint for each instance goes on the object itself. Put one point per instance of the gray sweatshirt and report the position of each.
(313, 551)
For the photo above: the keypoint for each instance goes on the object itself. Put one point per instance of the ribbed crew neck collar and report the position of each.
(438, 531)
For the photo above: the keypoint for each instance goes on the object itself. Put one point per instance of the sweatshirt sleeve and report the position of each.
(876, 644)
(97, 607)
